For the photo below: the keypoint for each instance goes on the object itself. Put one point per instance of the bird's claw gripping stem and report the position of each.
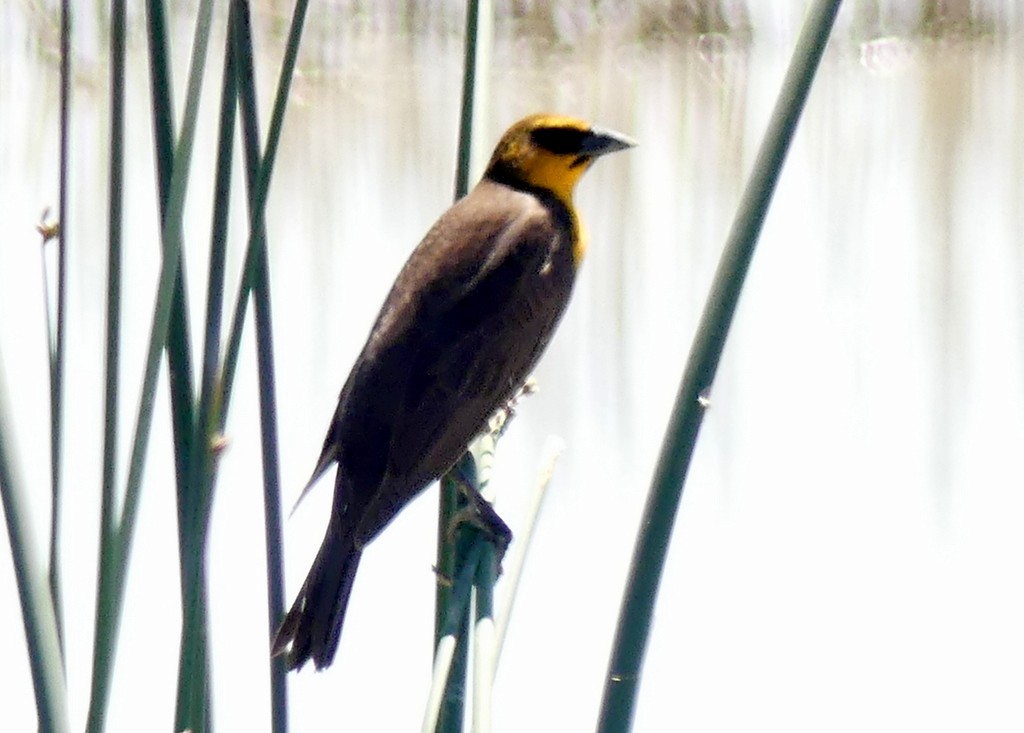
(480, 514)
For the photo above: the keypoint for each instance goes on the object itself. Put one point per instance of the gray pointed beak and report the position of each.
(600, 142)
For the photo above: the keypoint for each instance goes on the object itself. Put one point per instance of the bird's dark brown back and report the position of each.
(465, 322)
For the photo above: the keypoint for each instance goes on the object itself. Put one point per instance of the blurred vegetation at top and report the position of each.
(566, 24)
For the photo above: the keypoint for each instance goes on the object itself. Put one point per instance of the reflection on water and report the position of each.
(846, 545)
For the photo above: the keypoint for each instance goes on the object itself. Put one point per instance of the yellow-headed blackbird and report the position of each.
(464, 323)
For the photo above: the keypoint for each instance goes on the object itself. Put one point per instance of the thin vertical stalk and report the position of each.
(452, 712)
(110, 551)
(448, 503)
(37, 609)
(178, 347)
(193, 710)
(59, 342)
(161, 97)
(116, 539)
(453, 626)
(623, 678)
(513, 568)
(179, 341)
(242, 39)
(466, 116)
(259, 200)
(484, 641)
(454, 616)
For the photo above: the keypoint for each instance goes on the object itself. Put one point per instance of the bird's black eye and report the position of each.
(559, 140)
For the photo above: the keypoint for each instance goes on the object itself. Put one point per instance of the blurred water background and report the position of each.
(848, 553)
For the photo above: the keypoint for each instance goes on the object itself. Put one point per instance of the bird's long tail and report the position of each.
(312, 628)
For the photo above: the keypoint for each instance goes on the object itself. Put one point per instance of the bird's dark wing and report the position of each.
(475, 343)
(462, 246)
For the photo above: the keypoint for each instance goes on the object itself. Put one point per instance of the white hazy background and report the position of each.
(848, 551)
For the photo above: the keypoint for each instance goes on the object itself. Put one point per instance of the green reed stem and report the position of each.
(484, 642)
(242, 38)
(623, 678)
(469, 75)
(109, 546)
(259, 201)
(37, 609)
(193, 709)
(452, 713)
(179, 342)
(456, 550)
(179, 362)
(59, 341)
(117, 533)
(179, 347)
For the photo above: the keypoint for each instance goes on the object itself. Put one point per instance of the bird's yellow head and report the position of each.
(551, 152)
